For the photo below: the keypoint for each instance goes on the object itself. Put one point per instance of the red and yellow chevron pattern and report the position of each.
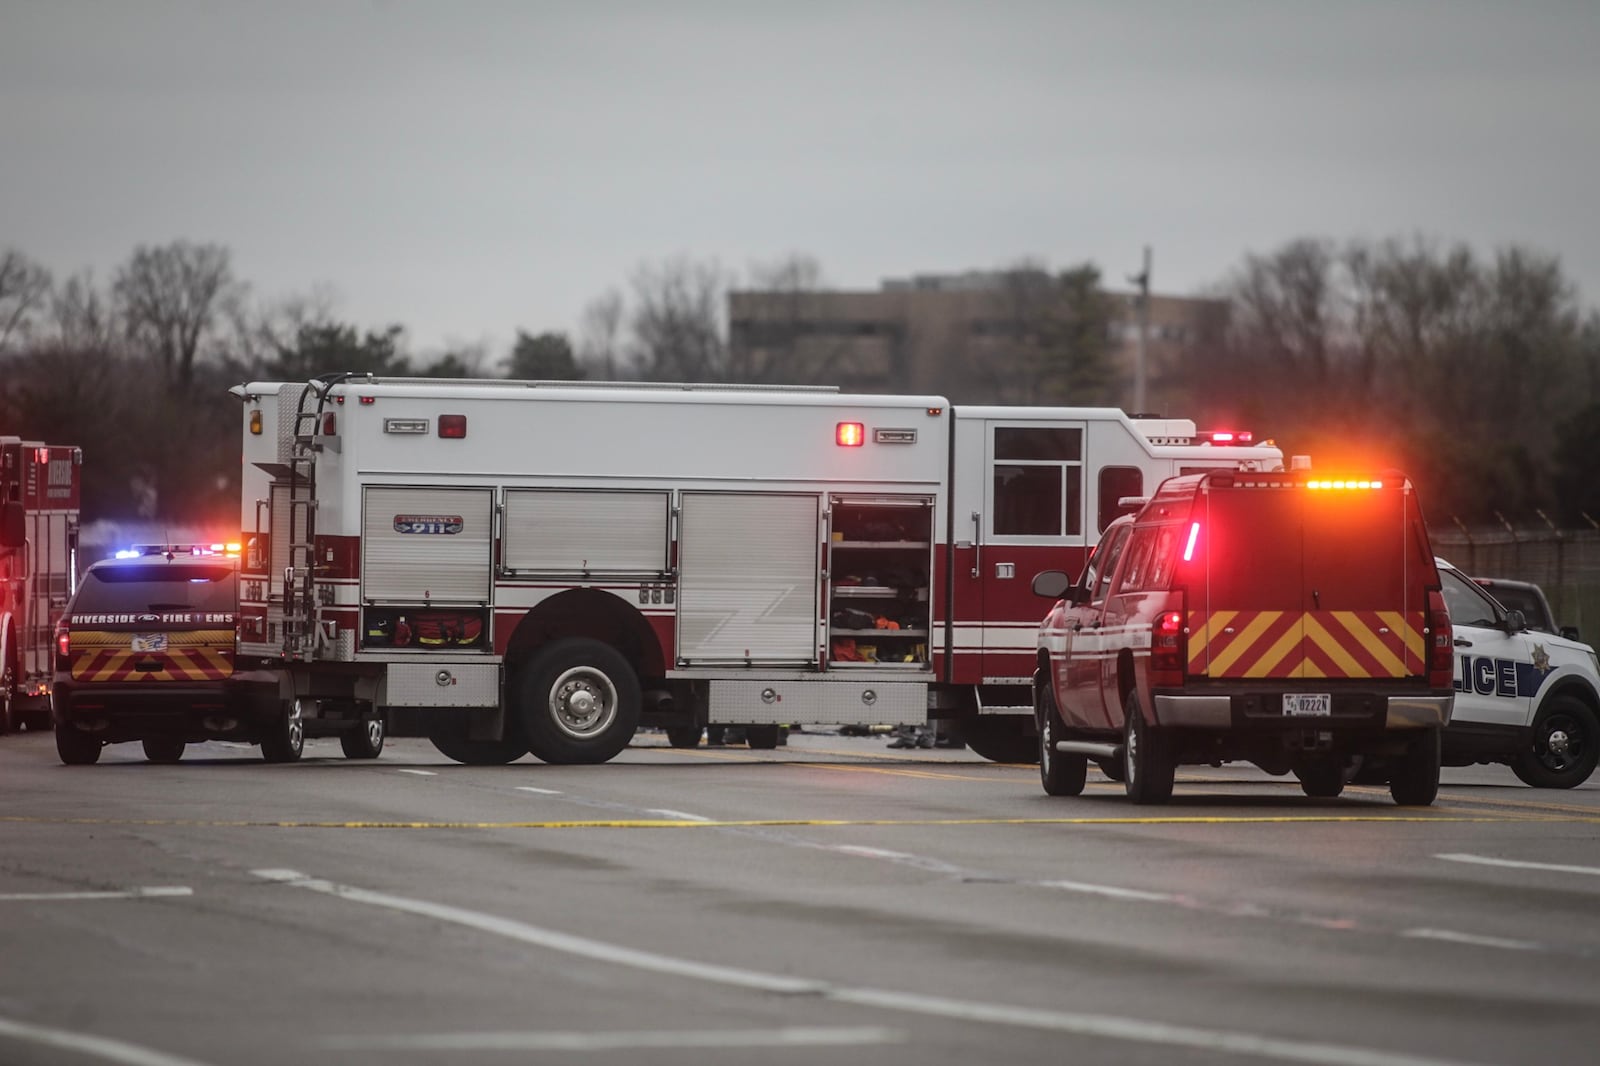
(190, 655)
(1306, 643)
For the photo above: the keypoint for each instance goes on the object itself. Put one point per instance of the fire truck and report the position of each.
(39, 500)
(514, 566)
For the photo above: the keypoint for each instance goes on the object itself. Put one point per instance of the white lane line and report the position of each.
(682, 816)
(1111, 891)
(419, 773)
(539, 791)
(1474, 939)
(1552, 867)
(1108, 1027)
(99, 1046)
(791, 1036)
(900, 858)
(152, 892)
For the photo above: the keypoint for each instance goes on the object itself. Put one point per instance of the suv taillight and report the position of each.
(1441, 643)
(1167, 648)
(63, 646)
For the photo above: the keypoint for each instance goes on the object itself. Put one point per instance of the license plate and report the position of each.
(1307, 704)
(149, 642)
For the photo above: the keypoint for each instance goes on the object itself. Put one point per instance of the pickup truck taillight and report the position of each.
(1167, 650)
(63, 646)
(1441, 643)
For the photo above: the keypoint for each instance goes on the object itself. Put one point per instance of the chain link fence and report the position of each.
(1564, 562)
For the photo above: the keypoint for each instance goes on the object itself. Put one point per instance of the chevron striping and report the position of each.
(1241, 643)
(1272, 662)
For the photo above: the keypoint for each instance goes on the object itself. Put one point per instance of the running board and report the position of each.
(1084, 747)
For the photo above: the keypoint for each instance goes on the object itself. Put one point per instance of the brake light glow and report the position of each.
(63, 642)
(453, 427)
(1441, 643)
(850, 434)
(1167, 650)
(1188, 549)
(1337, 484)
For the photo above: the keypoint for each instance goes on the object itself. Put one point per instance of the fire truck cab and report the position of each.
(39, 500)
(509, 566)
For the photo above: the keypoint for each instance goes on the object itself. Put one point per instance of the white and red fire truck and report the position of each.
(39, 499)
(511, 566)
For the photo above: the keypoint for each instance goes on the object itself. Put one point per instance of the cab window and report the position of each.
(1468, 605)
(1104, 563)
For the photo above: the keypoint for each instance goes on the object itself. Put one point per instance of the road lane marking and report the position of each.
(648, 1039)
(539, 791)
(99, 1046)
(682, 816)
(1474, 939)
(1101, 1026)
(419, 773)
(151, 892)
(1551, 867)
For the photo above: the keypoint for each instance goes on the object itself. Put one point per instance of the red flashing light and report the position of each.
(1228, 436)
(1167, 650)
(63, 643)
(1340, 484)
(453, 427)
(850, 434)
(1188, 548)
(368, 401)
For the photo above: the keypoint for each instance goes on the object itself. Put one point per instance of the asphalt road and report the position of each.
(832, 901)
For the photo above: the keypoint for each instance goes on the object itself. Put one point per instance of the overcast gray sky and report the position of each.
(469, 168)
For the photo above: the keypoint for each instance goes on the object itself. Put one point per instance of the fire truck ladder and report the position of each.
(304, 632)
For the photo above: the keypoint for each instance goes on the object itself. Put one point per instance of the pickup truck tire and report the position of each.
(683, 736)
(1321, 779)
(75, 748)
(1000, 738)
(1564, 748)
(579, 702)
(365, 741)
(1414, 777)
(163, 749)
(1148, 765)
(285, 738)
(1062, 774)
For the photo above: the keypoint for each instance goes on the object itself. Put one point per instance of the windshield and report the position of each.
(1524, 600)
(158, 587)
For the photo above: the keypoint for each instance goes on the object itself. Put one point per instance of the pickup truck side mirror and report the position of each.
(1051, 584)
(1570, 632)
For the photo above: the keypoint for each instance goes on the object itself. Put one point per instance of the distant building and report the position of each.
(949, 334)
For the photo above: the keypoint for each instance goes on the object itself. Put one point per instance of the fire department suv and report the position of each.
(1291, 621)
(39, 487)
(508, 567)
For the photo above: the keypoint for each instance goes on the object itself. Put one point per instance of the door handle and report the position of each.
(1463, 642)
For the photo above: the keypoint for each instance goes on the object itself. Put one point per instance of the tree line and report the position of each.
(1479, 376)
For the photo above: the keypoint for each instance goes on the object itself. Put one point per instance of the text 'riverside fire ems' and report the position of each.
(508, 567)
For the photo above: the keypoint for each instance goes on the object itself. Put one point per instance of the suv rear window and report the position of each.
(140, 589)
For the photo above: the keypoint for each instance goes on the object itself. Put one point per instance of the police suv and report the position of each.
(1525, 698)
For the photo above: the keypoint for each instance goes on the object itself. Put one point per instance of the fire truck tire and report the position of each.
(1322, 779)
(762, 737)
(1564, 748)
(452, 742)
(163, 749)
(1147, 763)
(683, 736)
(579, 702)
(1414, 777)
(365, 741)
(1062, 774)
(1112, 768)
(75, 748)
(285, 738)
(1000, 738)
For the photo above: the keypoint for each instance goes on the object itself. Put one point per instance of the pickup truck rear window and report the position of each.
(156, 588)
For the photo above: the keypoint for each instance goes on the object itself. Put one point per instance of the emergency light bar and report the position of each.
(1362, 483)
(1225, 436)
(139, 551)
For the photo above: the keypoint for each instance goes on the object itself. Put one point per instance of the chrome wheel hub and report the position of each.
(583, 702)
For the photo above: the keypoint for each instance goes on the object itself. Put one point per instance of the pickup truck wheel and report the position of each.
(1322, 779)
(579, 702)
(1062, 774)
(450, 737)
(684, 736)
(1564, 748)
(1000, 738)
(163, 749)
(1414, 778)
(285, 738)
(1147, 761)
(75, 748)
(762, 737)
(365, 741)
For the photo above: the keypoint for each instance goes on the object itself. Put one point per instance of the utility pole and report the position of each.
(1142, 305)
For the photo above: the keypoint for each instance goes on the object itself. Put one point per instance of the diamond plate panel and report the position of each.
(819, 702)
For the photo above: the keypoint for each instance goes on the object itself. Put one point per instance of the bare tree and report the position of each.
(172, 299)
(24, 288)
(677, 321)
(779, 335)
(81, 315)
(600, 343)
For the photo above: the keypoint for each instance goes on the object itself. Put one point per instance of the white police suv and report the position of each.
(1528, 699)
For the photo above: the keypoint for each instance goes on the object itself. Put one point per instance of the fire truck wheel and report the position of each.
(1322, 778)
(579, 702)
(1148, 763)
(1000, 738)
(1062, 774)
(1112, 768)
(1564, 748)
(163, 749)
(451, 739)
(1414, 778)
(762, 737)
(75, 748)
(285, 738)
(683, 736)
(365, 741)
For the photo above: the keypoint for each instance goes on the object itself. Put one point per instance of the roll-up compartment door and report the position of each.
(427, 544)
(748, 578)
(585, 531)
